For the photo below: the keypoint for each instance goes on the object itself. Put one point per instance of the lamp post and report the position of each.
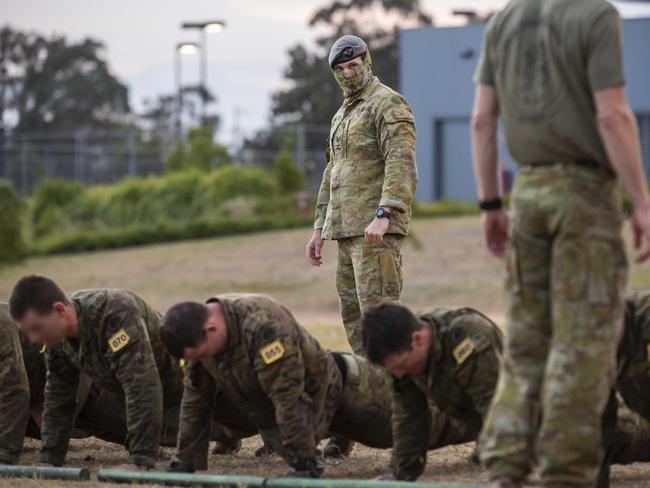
(205, 27)
(182, 48)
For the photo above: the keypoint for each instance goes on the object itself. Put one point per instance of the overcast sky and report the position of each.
(245, 62)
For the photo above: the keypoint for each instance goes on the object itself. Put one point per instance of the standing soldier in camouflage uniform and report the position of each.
(364, 202)
(14, 391)
(295, 392)
(445, 357)
(113, 337)
(553, 70)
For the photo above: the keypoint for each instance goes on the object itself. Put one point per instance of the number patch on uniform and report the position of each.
(119, 340)
(463, 350)
(272, 352)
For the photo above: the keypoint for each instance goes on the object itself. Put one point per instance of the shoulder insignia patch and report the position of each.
(647, 348)
(119, 340)
(463, 350)
(272, 352)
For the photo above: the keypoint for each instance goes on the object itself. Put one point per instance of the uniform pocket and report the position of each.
(513, 270)
(391, 283)
(607, 272)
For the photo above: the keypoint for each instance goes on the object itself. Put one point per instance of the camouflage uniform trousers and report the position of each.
(566, 274)
(103, 415)
(629, 440)
(14, 396)
(366, 274)
(363, 412)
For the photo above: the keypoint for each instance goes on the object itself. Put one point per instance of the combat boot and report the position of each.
(222, 448)
(338, 447)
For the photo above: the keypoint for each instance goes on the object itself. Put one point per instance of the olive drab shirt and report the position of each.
(272, 368)
(545, 60)
(14, 390)
(120, 348)
(460, 380)
(371, 164)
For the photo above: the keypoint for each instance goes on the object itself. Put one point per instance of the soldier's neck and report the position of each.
(72, 320)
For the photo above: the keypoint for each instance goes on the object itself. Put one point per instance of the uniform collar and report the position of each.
(435, 348)
(364, 93)
(83, 332)
(234, 333)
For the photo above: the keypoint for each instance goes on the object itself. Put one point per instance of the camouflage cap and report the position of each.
(346, 49)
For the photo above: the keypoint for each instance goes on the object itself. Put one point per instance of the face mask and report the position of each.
(354, 80)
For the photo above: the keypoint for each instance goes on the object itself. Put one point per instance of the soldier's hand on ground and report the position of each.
(130, 467)
(386, 477)
(314, 247)
(375, 231)
(495, 231)
(306, 468)
(641, 226)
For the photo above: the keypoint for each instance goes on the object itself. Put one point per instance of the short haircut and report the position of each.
(387, 329)
(183, 327)
(36, 293)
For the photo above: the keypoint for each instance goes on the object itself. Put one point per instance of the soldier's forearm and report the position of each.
(54, 448)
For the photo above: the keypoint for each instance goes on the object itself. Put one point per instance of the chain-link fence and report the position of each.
(305, 143)
(90, 157)
(97, 157)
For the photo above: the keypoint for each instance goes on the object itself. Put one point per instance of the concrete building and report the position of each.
(437, 67)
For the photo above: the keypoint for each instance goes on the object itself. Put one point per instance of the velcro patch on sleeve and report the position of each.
(463, 350)
(119, 340)
(272, 352)
(398, 114)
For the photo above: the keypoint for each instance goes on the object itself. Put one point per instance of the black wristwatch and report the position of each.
(382, 214)
(492, 204)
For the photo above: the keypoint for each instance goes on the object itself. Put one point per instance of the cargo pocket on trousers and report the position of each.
(607, 272)
(513, 270)
(389, 276)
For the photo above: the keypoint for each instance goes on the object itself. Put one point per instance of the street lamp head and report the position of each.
(209, 26)
(214, 27)
(187, 47)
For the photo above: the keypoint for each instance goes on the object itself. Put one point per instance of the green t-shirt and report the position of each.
(545, 59)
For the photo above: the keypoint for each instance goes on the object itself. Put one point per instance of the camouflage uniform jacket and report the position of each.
(273, 369)
(460, 380)
(120, 348)
(371, 164)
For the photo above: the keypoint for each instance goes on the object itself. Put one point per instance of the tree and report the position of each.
(12, 245)
(290, 178)
(200, 152)
(54, 84)
(161, 114)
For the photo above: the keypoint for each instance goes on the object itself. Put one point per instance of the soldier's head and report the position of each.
(41, 309)
(194, 331)
(395, 339)
(351, 64)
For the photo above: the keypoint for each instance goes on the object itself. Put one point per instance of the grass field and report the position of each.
(448, 266)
